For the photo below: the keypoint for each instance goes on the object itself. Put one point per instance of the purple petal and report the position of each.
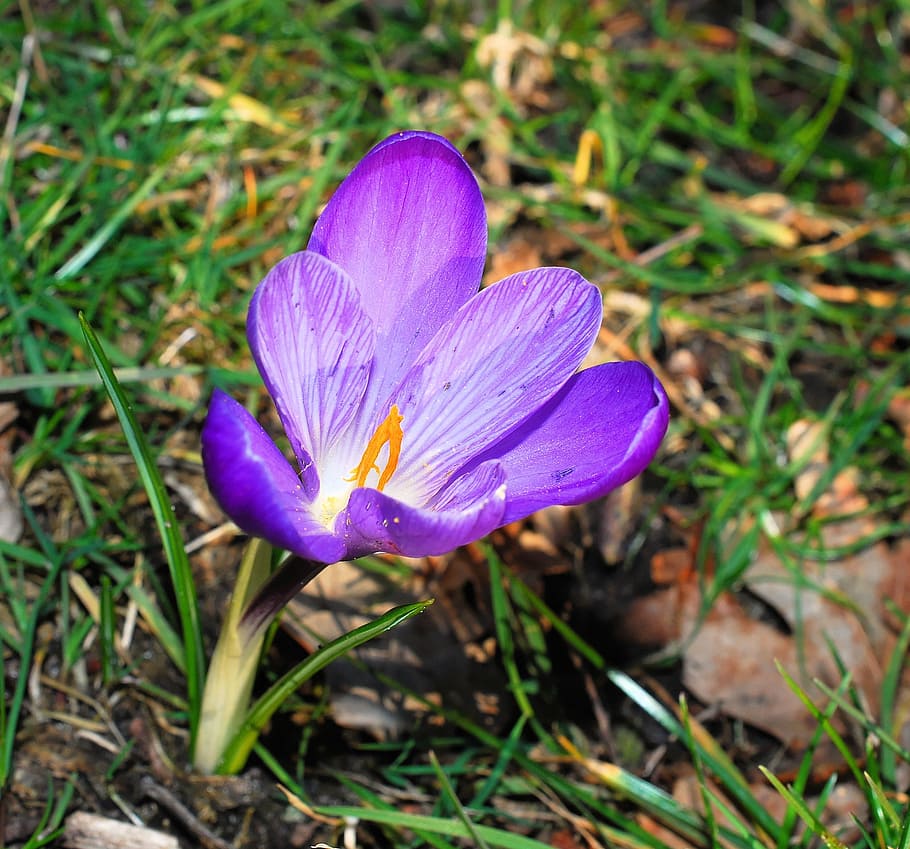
(409, 226)
(257, 487)
(600, 431)
(469, 509)
(313, 344)
(503, 355)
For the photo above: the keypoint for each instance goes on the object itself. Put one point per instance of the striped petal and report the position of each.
(408, 226)
(313, 344)
(503, 355)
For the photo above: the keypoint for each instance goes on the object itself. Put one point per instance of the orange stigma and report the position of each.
(389, 431)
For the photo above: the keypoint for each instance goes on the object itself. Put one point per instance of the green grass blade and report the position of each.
(452, 796)
(807, 815)
(65, 380)
(824, 720)
(714, 758)
(435, 825)
(106, 629)
(88, 251)
(160, 502)
(881, 810)
(372, 801)
(240, 746)
(158, 624)
(890, 689)
(889, 743)
(903, 840)
(16, 701)
(503, 618)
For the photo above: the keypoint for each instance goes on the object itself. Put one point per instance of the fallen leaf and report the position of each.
(818, 615)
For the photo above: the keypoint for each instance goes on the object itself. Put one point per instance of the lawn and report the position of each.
(712, 655)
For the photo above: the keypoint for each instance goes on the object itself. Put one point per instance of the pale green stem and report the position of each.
(232, 670)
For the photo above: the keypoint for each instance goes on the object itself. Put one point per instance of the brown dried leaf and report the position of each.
(899, 411)
(516, 255)
(671, 565)
(668, 838)
(834, 609)
(731, 663)
(807, 443)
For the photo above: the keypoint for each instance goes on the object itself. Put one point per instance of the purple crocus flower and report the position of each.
(422, 413)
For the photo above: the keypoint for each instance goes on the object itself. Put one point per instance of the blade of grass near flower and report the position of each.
(788, 833)
(885, 819)
(503, 616)
(178, 562)
(460, 812)
(903, 840)
(435, 825)
(890, 688)
(823, 718)
(713, 802)
(807, 815)
(645, 795)
(372, 801)
(239, 748)
(889, 743)
(697, 763)
(714, 757)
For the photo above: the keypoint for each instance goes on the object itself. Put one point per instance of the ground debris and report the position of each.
(90, 831)
(813, 617)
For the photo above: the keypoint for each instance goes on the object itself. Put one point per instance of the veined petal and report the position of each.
(503, 355)
(313, 344)
(471, 508)
(257, 487)
(409, 227)
(599, 431)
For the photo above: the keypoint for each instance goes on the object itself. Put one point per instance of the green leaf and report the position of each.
(160, 502)
(435, 825)
(239, 748)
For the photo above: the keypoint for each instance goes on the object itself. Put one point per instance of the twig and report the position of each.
(183, 814)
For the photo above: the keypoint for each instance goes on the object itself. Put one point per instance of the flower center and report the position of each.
(388, 432)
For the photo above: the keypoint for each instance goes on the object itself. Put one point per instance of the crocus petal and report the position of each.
(257, 487)
(313, 344)
(469, 509)
(409, 226)
(598, 432)
(503, 355)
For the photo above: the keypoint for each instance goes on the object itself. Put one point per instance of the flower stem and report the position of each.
(232, 670)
